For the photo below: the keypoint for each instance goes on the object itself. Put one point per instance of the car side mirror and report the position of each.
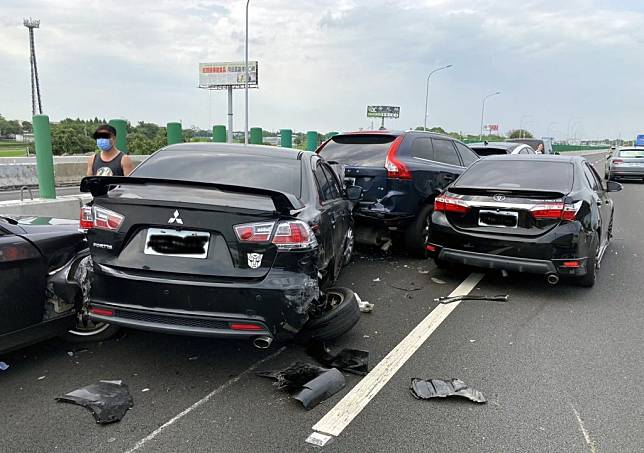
(612, 186)
(354, 193)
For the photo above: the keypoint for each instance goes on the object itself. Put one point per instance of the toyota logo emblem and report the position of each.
(499, 197)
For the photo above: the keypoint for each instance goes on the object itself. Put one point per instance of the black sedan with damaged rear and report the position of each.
(224, 241)
(546, 215)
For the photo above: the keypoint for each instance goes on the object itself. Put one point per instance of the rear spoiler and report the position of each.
(100, 185)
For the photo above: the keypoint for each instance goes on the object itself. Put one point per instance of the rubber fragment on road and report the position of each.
(423, 389)
(107, 400)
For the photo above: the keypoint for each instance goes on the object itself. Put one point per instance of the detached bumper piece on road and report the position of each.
(437, 388)
(108, 400)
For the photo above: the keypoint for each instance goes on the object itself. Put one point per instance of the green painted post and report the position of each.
(44, 157)
(121, 134)
(256, 136)
(332, 134)
(311, 140)
(219, 133)
(286, 138)
(174, 134)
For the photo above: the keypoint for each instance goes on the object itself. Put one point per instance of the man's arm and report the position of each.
(127, 164)
(90, 165)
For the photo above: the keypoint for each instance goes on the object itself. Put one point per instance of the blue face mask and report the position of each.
(104, 144)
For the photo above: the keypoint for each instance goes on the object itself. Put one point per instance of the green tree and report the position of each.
(27, 127)
(68, 139)
(520, 133)
(149, 130)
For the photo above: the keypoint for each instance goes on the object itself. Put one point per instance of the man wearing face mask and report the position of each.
(110, 161)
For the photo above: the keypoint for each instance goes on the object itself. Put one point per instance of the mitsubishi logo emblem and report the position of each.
(175, 218)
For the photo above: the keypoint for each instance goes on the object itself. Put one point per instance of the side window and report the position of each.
(336, 191)
(422, 148)
(590, 178)
(323, 185)
(598, 179)
(467, 155)
(444, 152)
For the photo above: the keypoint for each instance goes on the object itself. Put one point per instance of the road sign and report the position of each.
(491, 127)
(639, 141)
(219, 76)
(382, 111)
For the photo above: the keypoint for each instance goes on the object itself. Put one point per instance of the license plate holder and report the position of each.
(501, 219)
(177, 243)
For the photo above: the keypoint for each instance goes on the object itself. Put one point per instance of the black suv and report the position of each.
(401, 174)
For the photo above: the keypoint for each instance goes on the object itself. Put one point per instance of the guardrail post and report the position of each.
(256, 136)
(121, 134)
(44, 157)
(311, 140)
(286, 138)
(219, 133)
(174, 133)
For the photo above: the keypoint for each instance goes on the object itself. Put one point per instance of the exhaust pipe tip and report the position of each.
(553, 279)
(262, 342)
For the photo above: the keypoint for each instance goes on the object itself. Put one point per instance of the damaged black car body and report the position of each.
(218, 241)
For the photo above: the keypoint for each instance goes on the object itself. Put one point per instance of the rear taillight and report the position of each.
(618, 161)
(395, 168)
(290, 234)
(98, 217)
(444, 203)
(245, 326)
(101, 311)
(556, 211)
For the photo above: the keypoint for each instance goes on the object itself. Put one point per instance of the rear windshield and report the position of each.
(489, 151)
(261, 172)
(632, 153)
(519, 175)
(358, 149)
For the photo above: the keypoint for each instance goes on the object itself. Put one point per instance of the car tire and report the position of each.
(334, 323)
(588, 280)
(417, 233)
(91, 334)
(441, 264)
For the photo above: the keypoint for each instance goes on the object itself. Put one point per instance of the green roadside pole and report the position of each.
(121, 134)
(311, 140)
(44, 157)
(174, 134)
(286, 138)
(256, 136)
(219, 133)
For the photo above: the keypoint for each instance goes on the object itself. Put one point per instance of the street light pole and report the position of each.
(483, 111)
(427, 93)
(246, 79)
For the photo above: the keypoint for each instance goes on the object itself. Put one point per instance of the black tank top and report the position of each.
(111, 168)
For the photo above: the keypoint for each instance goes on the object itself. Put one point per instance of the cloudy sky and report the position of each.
(564, 68)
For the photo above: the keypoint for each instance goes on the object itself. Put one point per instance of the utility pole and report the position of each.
(36, 103)
(247, 76)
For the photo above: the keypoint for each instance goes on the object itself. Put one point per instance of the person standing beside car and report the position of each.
(109, 161)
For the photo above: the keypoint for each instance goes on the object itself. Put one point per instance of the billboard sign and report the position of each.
(639, 141)
(382, 111)
(224, 75)
(492, 128)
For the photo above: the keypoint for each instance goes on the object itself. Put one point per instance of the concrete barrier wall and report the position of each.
(66, 207)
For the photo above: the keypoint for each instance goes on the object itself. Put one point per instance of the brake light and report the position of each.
(101, 311)
(395, 168)
(101, 218)
(294, 235)
(254, 232)
(557, 211)
(245, 326)
(571, 264)
(444, 203)
(618, 161)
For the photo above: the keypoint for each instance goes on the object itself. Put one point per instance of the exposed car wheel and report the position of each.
(417, 234)
(337, 316)
(588, 280)
(349, 244)
(88, 331)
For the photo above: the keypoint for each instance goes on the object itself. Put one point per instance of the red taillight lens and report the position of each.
(98, 217)
(101, 311)
(618, 161)
(395, 168)
(294, 235)
(86, 217)
(245, 326)
(444, 203)
(430, 248)
(559, 211)
(571, 264)
(255, 232)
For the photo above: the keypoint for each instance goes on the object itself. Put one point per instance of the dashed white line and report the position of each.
(202, 401)
(589, 441)
(340, 416)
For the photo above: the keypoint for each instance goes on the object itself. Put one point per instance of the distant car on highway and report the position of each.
(493, 148)
(401, 173)
(547, 215)
(625, 163)
(221, 240)
(534, 143)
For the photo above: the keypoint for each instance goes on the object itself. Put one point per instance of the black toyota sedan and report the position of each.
(219, 240)
(545, 214)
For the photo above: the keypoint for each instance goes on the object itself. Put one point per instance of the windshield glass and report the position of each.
(518, 175)
(631, 153)
(358, 149)
(484, 151)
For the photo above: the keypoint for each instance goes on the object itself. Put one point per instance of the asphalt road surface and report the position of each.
(561, 368)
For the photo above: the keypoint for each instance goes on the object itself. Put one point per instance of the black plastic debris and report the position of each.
(309, 384)
(413, 286)
(447, 299)
(424, 389)
(108, 400)
(354, 361)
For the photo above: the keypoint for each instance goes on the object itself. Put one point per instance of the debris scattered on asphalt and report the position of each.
(41, 378)
(107, 400)
(193, 358)
(308, 384)
(377, 279)
(354, 361)
(70, 353)
(3, 366)
(438, 281)
(472, 341)
(366, 336)
(386, 246)
(318, 439)
(423, 271)
(365, 307)
(448, 299)
(145, 390)
(438, 388)
(412, 287)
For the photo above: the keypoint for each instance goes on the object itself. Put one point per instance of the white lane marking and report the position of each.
(589, 441)
(339, 417)
(202, 401)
